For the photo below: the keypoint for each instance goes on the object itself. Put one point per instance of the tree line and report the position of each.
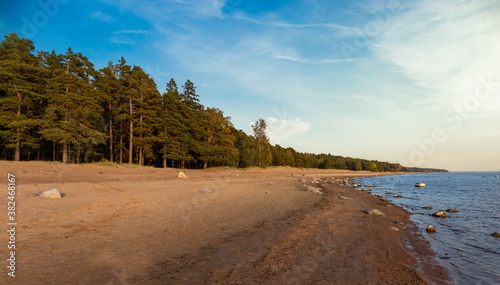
(59, 107)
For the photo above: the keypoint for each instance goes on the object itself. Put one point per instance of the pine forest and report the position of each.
(59, 107)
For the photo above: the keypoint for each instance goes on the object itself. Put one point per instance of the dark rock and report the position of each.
(452, 211)
(427, 207)
(496, 234)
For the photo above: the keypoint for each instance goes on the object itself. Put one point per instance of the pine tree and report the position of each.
(73, 112)
(264, 154)
(220, 141)
(108, 86)
(173, 134)
(21, 99)
(145, 103)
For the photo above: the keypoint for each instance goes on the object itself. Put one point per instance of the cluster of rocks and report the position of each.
(338, 181)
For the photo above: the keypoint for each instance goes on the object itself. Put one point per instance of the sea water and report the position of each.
(463, 240)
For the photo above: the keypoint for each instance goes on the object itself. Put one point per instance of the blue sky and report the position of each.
(415, 82)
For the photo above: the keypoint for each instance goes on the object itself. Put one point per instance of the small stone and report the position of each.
(430, 229)
(182, 175)
(271, 183)
(440, 214)
(452, 211)
(394, 229)
(313, 190)
(427, 207)
(496, 234)
(398, 196)
(375, 212)
(388, 193)
(51, 193)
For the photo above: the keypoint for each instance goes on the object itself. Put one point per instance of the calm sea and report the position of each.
(463, 240)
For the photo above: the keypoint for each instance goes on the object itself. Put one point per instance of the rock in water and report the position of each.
(375, 212)
(313, 190)
(398, 196)
(51, 193)
(427, 207)
(419, 184)
(452, 211)
(182, 175)
(496, 234)
(430, 229)
(440, 214)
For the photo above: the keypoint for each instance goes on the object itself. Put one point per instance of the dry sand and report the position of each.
(142, 225)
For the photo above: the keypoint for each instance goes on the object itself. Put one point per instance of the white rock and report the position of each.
(182, 175)
(51, 193)
(375, 212)
(313, 190)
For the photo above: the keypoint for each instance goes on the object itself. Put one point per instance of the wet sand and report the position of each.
(141, 225)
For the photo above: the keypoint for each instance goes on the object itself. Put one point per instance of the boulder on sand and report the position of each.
(182, 175)
(51, 193)
(375, 212)
(313, 190)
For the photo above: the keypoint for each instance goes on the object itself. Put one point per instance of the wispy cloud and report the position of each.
(102, 17)
(128, 37)
(350, 30)
(445, 45)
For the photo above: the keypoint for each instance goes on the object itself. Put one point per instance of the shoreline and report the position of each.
(228, 226)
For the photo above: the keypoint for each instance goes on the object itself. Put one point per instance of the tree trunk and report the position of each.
(164, 162)
(121, 148)
(141, 148)
(53, 151)
(131, 133)
(205, 164)
(141, 157)
(110, 106)
(17, 152)
(65, 153)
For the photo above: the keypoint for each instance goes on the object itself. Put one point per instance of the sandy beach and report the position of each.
(140, 225)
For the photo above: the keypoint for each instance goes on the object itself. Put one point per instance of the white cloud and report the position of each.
(444, 46)
(279, 130)
(102, 17)
(128, 37)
